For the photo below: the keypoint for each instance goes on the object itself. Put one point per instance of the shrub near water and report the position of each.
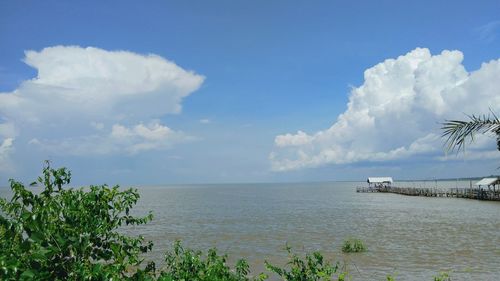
(313, 268)
(353, 246)
(186, 264)
(69, 234)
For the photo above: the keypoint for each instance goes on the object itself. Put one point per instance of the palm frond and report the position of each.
(458, 132)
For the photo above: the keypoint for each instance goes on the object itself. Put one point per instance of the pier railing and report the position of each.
(470, 193)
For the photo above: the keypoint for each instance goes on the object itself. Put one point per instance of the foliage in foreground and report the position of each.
(72, 234)
(68, 233)
(186, 264)
(313, 268)
(353, 245)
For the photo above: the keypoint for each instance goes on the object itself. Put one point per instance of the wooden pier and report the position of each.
(469, 193)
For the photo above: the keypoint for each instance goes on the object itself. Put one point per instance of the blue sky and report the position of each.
(259, 70)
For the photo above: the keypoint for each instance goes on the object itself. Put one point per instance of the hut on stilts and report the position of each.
(379, 183)
(488, 188)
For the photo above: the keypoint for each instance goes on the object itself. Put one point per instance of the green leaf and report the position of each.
(27, 275)
(37, 236)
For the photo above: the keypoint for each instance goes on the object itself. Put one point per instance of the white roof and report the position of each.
(380, 179)
(487, 181)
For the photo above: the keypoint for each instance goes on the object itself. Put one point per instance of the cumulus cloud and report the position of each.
(5, 150)
(87, 94)
(121, 139)
(396, 113)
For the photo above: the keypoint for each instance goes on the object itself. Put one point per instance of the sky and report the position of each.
(167, 92)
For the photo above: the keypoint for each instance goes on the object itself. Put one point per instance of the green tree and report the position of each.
(69, 234)
(458, 132)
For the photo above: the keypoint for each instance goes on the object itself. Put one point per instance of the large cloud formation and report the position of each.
(93, 101)
(396, 113)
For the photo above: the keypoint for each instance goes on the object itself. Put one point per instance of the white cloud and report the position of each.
(396, 113)
(205, 121)
(7, 134)
(5, 149)
(299, 139)
(83, 97)
(142, 138)
(121, 139)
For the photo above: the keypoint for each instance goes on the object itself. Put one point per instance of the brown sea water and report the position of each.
(411, 237)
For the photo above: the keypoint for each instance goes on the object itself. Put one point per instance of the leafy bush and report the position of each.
(353, 246)
(442, 276)
(313, 268)
(62, 234)
(186, 264)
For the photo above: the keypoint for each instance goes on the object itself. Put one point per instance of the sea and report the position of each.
(411, 238)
